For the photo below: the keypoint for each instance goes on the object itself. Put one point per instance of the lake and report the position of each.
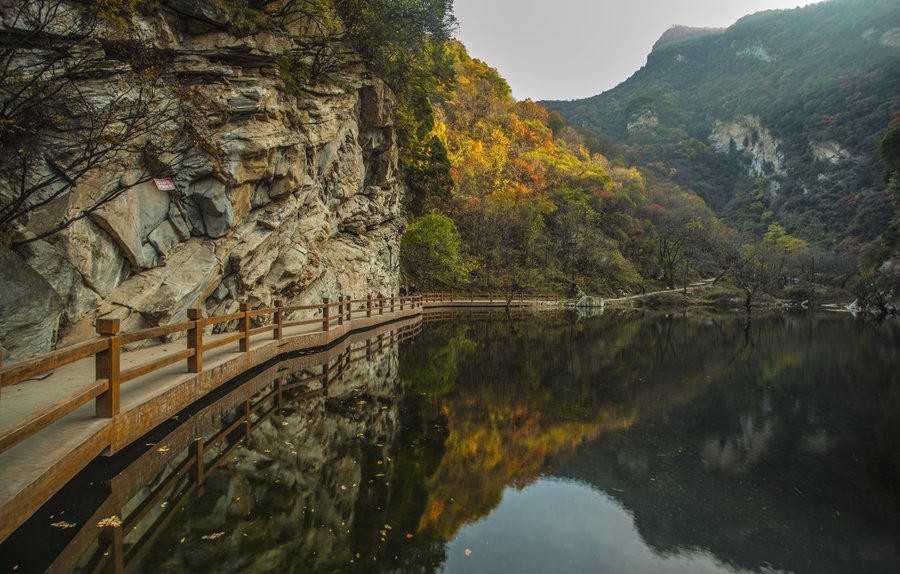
(480, 442)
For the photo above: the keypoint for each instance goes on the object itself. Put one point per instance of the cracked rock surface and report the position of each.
(291, 198)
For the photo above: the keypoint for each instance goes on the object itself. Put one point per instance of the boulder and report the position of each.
(129, 219)
(191, 273)
(164, 237)
(29, 309)
(214, 207)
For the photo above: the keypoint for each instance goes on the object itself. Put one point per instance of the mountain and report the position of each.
(772, 120)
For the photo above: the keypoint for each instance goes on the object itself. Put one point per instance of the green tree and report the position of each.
(431, 254)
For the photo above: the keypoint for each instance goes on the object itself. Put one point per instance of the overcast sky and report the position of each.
(566, 49)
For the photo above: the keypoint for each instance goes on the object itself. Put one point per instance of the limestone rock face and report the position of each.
(29, 308)
(748, 133)
(290, 196)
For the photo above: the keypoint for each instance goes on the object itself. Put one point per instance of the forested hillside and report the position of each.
(774, 120)
(508, 197)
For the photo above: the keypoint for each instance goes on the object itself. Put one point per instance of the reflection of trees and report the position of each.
(792, 461)
(526, 393)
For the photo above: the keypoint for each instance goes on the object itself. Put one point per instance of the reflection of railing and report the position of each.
(114, 551)
(490, 297)
(107, 350)
(476, 314)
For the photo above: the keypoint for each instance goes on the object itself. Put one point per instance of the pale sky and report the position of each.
(567, 49)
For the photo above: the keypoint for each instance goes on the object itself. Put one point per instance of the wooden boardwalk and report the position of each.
(61, 410)
(232, 418)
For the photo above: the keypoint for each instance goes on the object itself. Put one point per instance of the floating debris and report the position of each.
(163, 449)
(62, 524)
(213, 536)
(110, 522)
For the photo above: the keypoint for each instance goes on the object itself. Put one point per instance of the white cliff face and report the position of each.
(292, 198)
(747, 133)
(830, 151)
(758, 52)
(646, 119)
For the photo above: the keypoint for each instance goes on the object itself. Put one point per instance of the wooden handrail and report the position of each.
(22, 371)
(107, 348)
(155, 332)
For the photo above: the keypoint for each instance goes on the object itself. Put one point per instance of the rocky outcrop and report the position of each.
(284, 195)
(746, 133)
(29, 308)
(682, 33)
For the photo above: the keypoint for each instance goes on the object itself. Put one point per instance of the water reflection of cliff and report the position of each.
(289, 471)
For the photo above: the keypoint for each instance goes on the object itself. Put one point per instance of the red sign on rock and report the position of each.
(165, 184)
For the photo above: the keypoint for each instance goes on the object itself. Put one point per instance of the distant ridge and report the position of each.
(679, 33)
(772, 120)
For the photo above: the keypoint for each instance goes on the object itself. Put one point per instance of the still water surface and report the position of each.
(622, 443)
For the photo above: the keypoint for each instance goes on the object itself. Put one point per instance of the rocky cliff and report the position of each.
(284, 194)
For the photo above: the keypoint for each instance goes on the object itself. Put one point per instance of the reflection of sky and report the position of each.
(565, 526)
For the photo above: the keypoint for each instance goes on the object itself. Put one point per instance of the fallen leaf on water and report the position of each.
(62, 524)
(213, 536)
(181, 541)
(468, 552)
(409, 536)
(110, 521)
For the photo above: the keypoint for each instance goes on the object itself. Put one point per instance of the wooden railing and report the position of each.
(107, 350)
(205, 455)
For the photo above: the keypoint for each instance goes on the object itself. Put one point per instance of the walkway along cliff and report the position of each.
(62, 409)
(262, 192)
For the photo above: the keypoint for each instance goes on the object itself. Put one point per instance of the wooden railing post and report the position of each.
(349, 308)
(245, 328)
(278, 332)
(195, 340)
(369, 305)
(196, 450)
(392, 302)
(247, 426)
(107, 366)
(326, 314)
(402, 299)
(340, 309)
(381, 305)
